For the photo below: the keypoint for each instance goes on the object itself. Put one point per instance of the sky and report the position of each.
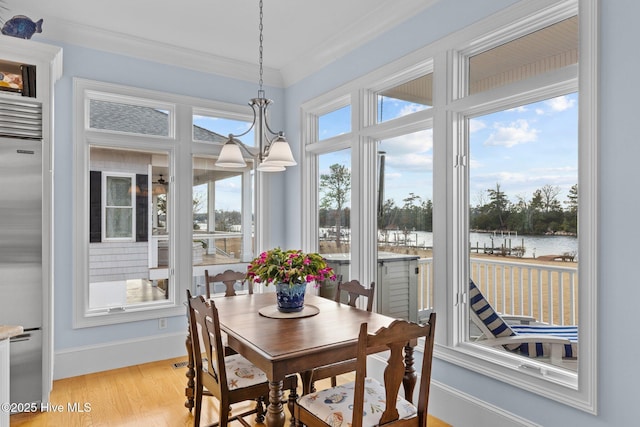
(521, 149)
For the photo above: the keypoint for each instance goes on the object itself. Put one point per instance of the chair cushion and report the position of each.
(335, 405)
(500, 328)
(536, 349)
(242, 373)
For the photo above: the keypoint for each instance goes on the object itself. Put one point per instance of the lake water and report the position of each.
(535, 246)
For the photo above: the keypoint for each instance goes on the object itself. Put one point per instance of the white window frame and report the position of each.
(180, 149)
(450, 205)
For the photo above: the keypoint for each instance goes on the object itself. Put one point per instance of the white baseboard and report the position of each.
(462, 410)
(88, 359)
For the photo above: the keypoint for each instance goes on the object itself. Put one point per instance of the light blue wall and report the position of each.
(105, 67)
(619, 292)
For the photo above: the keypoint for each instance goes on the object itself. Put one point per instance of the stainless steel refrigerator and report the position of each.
(21, 262)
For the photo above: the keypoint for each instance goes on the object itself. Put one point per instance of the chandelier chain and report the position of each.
(260, 52)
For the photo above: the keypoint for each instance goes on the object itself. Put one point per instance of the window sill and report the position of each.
(558, 384)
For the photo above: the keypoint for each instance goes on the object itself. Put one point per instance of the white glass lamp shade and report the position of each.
(231, 156)
(266, 167)
(280, 154)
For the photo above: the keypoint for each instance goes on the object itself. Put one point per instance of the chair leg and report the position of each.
(198, 399)
(260, 410)
(333, 382)
(291, 403)
(225, 411)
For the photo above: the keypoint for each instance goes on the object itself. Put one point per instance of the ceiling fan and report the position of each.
(160, 186)
(161, 181)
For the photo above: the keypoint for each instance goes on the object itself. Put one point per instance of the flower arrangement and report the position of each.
(290, 266)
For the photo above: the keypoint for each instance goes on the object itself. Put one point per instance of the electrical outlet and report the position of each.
(162, 323)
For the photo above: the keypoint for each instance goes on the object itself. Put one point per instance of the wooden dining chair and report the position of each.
(229, 278)
(366, 401)
(354, 290)
(230, 379)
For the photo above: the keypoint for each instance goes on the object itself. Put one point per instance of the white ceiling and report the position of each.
(299, 36)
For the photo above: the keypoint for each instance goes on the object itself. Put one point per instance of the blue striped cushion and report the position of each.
(540, 349)
(488, 315)
(500, 328)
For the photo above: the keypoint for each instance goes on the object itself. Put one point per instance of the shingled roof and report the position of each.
(139, 120)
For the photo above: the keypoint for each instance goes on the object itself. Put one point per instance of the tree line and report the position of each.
(543, 213)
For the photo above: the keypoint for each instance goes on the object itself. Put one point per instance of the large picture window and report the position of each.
(474, 159)
(133, 262)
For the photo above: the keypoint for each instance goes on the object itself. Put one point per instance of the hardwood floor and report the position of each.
(151, 394)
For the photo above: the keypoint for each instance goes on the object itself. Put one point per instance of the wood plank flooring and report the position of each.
(151, 394)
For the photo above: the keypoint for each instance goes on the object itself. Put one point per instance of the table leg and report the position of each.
(189, 391)
(275, 410)
(410, 376)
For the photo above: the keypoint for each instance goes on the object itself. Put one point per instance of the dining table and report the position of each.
(325, 332)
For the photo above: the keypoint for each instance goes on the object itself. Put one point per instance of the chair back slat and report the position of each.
(394, 338)
(355, 290)
(229, 278)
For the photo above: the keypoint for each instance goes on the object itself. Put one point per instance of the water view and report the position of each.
(534, 246)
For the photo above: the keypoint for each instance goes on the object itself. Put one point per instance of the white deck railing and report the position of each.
(547, 292)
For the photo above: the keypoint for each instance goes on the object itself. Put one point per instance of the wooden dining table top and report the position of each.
(281, 346)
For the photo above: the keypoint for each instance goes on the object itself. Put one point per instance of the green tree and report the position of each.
(411, 212)
(427, 215)
(571, 214)
(498, 206)
(335, 188)
(388, 215)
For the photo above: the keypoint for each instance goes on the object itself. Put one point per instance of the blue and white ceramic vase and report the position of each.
(290, 297)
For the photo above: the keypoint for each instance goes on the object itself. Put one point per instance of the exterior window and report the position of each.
(334, 219)
(485, 170)
(334, 123)
(119, 207)
(223, 223)
(128, 252)
(405, 225)
(129, 264)
(221, 219)
(523, 215)
(129, 118)
(517, 149)
(211, 127)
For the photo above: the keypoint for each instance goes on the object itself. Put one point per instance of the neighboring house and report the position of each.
(125, 240)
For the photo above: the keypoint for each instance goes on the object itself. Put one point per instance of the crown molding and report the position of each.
(72, 33)
(371, 24)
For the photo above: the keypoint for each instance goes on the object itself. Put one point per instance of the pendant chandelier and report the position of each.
(274, 151)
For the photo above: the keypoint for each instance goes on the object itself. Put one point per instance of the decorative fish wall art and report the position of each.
(22, 27)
